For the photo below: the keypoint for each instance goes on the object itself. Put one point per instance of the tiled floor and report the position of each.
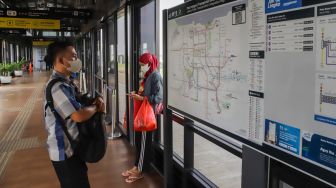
(21, 117)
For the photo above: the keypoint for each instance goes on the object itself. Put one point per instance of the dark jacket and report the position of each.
(154, 89)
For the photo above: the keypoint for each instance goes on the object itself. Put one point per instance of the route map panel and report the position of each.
(208, 66)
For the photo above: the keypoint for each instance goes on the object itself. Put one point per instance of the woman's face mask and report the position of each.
(144, 69)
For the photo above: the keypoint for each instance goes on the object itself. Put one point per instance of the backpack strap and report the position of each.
(50, 104)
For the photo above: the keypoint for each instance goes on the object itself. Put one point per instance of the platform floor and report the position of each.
(24, 159)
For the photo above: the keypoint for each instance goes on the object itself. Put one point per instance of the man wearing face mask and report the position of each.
(70, 169)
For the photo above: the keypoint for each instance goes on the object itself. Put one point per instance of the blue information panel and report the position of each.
(283, 136)
(319, 149)
(325, 119)
(280, 5)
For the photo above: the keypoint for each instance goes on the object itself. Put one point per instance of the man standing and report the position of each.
(70, 169)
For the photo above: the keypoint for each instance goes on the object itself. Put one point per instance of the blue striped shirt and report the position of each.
(65, 104)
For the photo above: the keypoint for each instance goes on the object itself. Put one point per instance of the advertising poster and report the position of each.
(283, 136)
(280, 5)
(319, 149)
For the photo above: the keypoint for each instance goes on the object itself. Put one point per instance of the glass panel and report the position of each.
(147, 28)
(121, 52)
(221, 135)
(111, 58)
(164, 4)
(88, 60)
(178, 139)
(98, 54)
(218, 165)
(129, 36)
(111, 53)
(99, 63)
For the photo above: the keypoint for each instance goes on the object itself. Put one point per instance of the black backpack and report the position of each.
(91, 143)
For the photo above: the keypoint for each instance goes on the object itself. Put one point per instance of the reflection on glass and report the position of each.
(111, 46)
(88, 60)
(100, 63)
(121, 52)
(178, 139)
(111, 51)
(98, 54)
(218, 165)
(147, 26)
(129, 21)
(164, 4)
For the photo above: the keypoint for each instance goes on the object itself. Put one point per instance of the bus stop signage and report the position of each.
(28, 23)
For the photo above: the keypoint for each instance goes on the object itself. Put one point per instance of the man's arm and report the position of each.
(84, 114)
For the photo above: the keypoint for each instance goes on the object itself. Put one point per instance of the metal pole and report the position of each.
(114, 134)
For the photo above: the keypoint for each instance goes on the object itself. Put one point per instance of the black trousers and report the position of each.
(72, 173)
(144, 153)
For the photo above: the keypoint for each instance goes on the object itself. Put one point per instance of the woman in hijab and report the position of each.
(150, 87)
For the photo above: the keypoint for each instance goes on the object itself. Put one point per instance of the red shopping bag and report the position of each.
(145, 119)
(136, 107)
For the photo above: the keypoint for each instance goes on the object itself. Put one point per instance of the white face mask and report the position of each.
(145, 68)
(75, 66)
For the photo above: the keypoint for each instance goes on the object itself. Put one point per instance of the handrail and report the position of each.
(210, 136)
(100, 78)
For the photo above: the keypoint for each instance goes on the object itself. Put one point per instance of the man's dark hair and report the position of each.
(54, 49)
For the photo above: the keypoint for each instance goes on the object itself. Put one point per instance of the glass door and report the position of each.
(88, 61)
(145, 38)
(99, 76)
(111, 68)
(121, 67)
(111, 49)
(145, 32)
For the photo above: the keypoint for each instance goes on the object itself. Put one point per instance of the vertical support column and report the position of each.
(129, 106)
(168, 116)
(254, 169)
(11, 52)
(157, 135)
(131, 59)
(168, 149)
(188, 151)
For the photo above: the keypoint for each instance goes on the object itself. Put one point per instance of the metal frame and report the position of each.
(118, 124)
(305, 166)
(114, 134)
(168, 116)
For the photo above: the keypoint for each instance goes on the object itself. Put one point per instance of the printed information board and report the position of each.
(300, 82)
(262, 70)
(208, 62)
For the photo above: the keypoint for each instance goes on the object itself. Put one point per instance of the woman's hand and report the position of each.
(138, 97)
